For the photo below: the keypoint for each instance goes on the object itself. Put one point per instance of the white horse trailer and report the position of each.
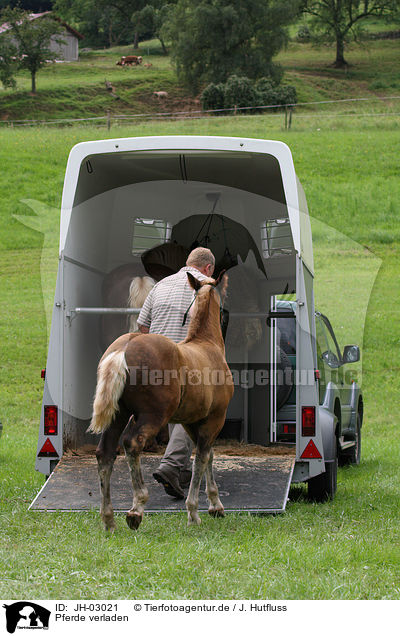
(123, 198)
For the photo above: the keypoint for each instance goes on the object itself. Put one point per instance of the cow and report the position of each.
(160, 94)
(129, 60)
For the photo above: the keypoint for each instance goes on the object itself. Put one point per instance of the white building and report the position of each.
(67, 51)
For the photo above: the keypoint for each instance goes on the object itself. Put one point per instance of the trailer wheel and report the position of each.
(323, 487)
(284, 389)
(353, 454)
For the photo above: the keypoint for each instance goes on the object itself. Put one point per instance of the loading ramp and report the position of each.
(246, 484)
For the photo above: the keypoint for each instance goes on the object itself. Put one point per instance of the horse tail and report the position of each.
(139, 289)
(111, 379)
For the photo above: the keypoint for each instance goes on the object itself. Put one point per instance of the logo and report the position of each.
(26, 615)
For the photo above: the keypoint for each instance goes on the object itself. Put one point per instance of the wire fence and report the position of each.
(274, 110)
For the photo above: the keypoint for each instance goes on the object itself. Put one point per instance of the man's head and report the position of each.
(202, 259)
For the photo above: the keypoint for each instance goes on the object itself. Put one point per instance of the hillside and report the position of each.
(78, 89)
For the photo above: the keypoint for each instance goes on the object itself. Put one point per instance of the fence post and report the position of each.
(288, 117)
(108, 119)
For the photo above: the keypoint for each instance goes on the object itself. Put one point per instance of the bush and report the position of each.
(240, 92)
(269, 94)
(266, 91)
(212, 97)
(286, 95)
(244, 93)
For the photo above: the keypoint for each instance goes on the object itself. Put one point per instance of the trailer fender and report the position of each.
(328, 422)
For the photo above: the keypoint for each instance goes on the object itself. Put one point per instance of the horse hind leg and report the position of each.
(192, 501)
(204, 434)
(106, 453)
(215, 509)
(134, 439)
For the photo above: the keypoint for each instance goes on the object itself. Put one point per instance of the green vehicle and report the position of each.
(339, 395)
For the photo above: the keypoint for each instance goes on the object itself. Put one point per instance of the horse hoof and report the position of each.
(108, 523)
(194, 521)
(109, 527)
(133, 519)
(216, 512)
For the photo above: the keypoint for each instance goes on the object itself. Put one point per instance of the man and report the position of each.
(163, 313)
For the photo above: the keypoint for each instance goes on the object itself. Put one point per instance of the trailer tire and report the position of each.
(284, 388)
(323, 487)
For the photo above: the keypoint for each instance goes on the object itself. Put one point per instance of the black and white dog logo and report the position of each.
(26, 615)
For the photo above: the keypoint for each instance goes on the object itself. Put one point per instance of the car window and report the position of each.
(322, 343)
(329, 350)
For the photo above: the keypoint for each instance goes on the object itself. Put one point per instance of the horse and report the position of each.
(139, 289)
(145, 381)
(125, 286)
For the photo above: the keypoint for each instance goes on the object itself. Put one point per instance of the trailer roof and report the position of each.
(262, 167)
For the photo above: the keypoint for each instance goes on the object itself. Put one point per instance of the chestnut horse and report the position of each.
(145, 381)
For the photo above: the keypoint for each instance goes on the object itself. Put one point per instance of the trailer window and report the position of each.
(148, 233)
(276, 238)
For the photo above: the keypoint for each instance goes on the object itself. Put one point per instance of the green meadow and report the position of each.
(344, 549)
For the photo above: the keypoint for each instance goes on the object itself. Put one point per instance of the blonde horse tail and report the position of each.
(139, 289)
(111, 378)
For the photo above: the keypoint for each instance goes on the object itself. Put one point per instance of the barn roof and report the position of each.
(34, 16)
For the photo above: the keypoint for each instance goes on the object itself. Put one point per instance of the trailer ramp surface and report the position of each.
(252, 484)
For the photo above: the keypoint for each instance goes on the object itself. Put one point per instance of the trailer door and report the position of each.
(309, 445)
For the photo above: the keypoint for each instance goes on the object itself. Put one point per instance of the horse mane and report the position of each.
(196, 320)
(201, 309)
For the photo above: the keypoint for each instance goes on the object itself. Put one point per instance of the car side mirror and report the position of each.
(330, 359)
(351, 353)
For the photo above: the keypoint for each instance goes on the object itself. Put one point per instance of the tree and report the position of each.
(213, 39)
(101, 24)
(153, 18)
(113, 22)
(8, 64)
(339, 21)
(31, 39)
(105, 22)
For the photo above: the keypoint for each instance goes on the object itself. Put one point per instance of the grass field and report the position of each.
(345, 549)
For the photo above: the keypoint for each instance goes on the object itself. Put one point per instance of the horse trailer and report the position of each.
(135, 207)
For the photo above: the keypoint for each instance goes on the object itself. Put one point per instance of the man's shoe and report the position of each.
(170, 483)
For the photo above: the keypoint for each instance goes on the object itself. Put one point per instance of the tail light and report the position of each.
(50, 420)
(308, 421)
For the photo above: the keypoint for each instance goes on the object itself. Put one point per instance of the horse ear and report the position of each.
(193, 282)
(220, 277)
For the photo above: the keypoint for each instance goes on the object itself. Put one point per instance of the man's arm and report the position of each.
(143, 329)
